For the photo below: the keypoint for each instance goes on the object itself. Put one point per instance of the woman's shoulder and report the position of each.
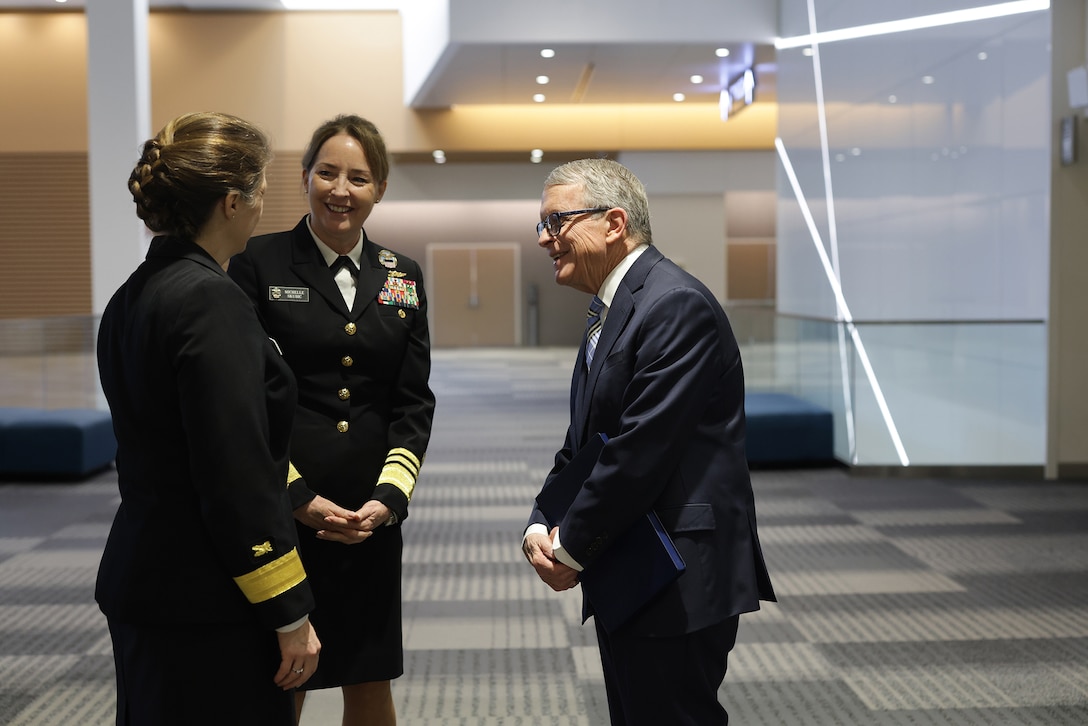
(272, 243)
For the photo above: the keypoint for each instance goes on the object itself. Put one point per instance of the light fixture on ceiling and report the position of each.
(983, 55)
(542, 80)
(536, 156)
(936, 20)
(547, 53)
(722, 52)
(678, 97)
(439, 156)
(539, 97)
(696, 79)
(893, 99)
(739, 94)
(928, 80)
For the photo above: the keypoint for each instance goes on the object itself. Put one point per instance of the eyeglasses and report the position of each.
(554, 221)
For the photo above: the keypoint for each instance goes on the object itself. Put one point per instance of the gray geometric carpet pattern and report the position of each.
(901, 601)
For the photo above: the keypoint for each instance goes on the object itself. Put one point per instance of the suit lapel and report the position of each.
(372, 277)
(619, 315)
(309, 265)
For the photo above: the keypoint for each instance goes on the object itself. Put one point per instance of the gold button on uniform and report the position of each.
(342, 426)
(350, 328)
(346, 361)
(402, 313)
(344, 394)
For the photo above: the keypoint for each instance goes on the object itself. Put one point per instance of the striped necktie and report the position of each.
(593, 328)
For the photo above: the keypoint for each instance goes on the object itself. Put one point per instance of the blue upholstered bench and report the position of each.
(65, 443)
(783, 428)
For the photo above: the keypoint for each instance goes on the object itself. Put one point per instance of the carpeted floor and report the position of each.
(902, 601)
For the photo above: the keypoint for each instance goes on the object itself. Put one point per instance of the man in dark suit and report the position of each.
(665, 384)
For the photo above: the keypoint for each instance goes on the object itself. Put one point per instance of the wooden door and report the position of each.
(473, 295)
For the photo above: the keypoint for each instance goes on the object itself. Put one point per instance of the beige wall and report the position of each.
(1067, 398)
(43, 83)
(290, 71)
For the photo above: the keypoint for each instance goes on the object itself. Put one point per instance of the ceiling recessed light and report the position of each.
(439, 156)
(928, 80)
(678, 97)
(542, 80)
(807, 51)
(722, 52)
(536, 155)
(893, 98)
(983, 55)
(696, 79)
(538, 97)
(547, 53)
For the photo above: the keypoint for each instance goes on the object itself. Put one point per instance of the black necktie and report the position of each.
(593, 328)
(344, 261)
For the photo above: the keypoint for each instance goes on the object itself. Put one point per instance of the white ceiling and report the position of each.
(641, 72)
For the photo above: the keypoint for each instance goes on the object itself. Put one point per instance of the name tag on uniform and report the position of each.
(288, 294)
(399, 292)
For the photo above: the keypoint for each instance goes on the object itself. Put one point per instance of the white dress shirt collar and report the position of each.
(612, 282)
(330, 255)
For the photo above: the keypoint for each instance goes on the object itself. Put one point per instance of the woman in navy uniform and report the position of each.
(351, 317)
(200, 580)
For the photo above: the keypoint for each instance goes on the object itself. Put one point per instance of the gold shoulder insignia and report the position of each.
(263, 548)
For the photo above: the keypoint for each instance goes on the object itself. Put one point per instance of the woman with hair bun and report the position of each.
(201, 582)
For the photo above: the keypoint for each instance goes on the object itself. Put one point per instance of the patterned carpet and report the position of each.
(902, 601)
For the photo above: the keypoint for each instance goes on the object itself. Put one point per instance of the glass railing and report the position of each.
(921, 394)
(933, 394)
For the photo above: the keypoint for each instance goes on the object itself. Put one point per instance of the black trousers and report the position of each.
(674, 681)
(188, 675)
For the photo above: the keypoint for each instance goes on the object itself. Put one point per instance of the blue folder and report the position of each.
(634, 568)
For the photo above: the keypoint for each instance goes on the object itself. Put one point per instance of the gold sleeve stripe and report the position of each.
(292, 473)
(275, 578)
(401, 469)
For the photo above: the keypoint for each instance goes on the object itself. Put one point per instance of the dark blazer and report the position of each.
(365, 406)
(667, 386)
(202, 403)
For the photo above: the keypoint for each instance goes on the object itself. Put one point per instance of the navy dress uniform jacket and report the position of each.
(202, 404)
(365, 406)
(667, 387)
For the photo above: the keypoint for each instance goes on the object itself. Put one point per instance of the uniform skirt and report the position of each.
(357, 589)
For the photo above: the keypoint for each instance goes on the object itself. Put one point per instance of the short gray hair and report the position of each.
(606, 183)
